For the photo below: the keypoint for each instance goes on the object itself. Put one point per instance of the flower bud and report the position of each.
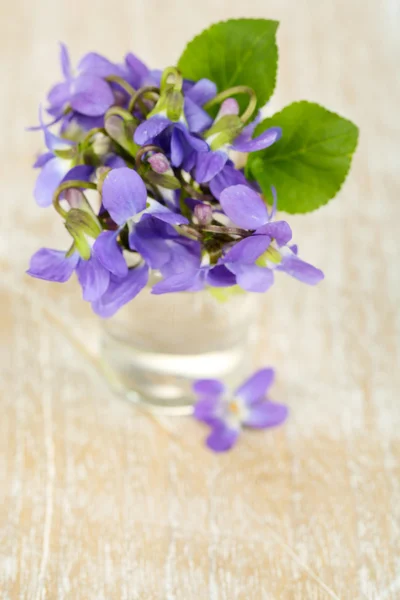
(74, 197)
(159, 163)
(228, 107)
(100, 144)
(203, 214)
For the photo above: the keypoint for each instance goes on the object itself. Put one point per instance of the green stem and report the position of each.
(178, 80)
(143, 150)
(137, 97)
(71, 184)
(238, 89)
(225, 230)
(124, 114)
(92, 133)
(122, 83)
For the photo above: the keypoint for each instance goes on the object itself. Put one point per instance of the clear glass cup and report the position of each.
(156, 346)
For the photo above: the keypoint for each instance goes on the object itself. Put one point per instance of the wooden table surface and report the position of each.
(99, 501)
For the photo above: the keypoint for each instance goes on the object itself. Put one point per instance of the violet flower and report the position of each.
(124, 196)
(209, 165)
(254, 258)
(55, 166)
(227, 413)
(173, 137)
(85, 91)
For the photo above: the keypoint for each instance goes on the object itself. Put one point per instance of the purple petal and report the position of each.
(220, 276)
(159, 211)
(49, 179)
(177, 147)
(278, 230)
(93, 277)
(121, 291)
(244, 207)
(86, 122)
(248, 250)
(53, 142)
(303, 271)
(247, 132)
(149, 238)
(185, 257)
(197, 118)
(149, 129)
(202, 91)
(115, 162)
(59, 95)
(91, 96)
(124, 194)
(65, 61)
(194, 142)
(80, 172)
(181, 282)
(95, 64)
(42, 160)
(252, 278)
(256, 386)
(109, 253)
(52, 265)
(227, 177)
(266, 139)
(205, 409)
(208, 387)
(138, 72)
(266, 414)
(222, 438)
(209, 164)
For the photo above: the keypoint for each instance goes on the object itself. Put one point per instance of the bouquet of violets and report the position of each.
(159, 149)
(188, 175)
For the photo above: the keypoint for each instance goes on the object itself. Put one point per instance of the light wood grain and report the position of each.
(100, 502)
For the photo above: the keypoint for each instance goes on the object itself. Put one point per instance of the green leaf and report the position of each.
(309, 164)
(235, 52)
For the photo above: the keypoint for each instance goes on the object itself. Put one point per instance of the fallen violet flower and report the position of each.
(227, 413)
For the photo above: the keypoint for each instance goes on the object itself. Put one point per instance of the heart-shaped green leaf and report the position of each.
(309, 164)
(235, 52)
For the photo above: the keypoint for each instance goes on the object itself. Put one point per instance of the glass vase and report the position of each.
(156, 346)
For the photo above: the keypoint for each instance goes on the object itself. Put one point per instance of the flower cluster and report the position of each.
(226, 413)
(157, 149)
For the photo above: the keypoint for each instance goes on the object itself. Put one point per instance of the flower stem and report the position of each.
(137, 98)
(74, 184)
(226, 230)
(143, 150)
(233, 91)
(122, 83)
(177, 78)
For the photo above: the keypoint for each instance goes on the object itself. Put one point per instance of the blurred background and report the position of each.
(99, 501)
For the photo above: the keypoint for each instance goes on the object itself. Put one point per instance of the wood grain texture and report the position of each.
(100, 502)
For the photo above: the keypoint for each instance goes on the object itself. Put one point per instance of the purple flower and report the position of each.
(173, 137)
(244, 142)
(54, 168)
(227, 413)
(136, 72)
(254, 258)
(188, 270)
(85, 91)
(210, 165)
(124, 196)
(105, 278)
